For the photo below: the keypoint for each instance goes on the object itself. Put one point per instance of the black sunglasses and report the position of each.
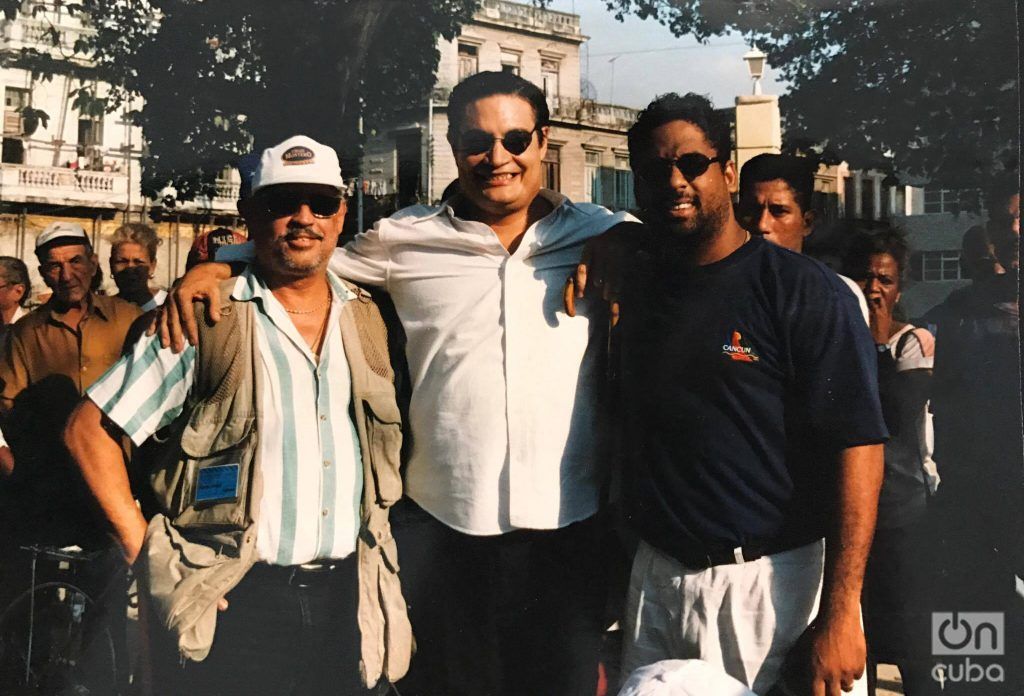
(284, 203)
(691, 165)
(475, 142)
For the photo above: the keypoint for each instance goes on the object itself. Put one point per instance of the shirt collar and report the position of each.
(94, 306)
(556, 199)
(249, 286)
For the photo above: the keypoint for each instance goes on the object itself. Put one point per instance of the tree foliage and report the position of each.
(221, 77)
(927, 88)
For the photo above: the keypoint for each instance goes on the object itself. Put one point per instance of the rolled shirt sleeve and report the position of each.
(146, 389)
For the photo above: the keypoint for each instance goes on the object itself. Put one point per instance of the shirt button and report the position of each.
(323, 417)
(325, 512)
(327, 463)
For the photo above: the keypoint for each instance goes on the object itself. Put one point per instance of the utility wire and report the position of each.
(668, 48)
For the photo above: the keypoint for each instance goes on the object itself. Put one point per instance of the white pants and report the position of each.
(741, 617)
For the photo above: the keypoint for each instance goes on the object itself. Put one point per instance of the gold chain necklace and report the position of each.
(309, 311)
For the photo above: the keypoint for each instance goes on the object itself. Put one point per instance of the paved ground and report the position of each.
(889, 682)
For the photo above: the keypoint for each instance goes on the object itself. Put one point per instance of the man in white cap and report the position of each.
(280, 459)
(55, 353)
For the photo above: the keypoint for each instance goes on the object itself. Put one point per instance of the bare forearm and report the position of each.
(99, 458)
(848, 544)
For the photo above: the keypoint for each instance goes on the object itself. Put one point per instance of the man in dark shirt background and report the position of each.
(753, 430)
(976, 401)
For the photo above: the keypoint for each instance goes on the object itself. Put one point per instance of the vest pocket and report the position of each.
(384, 437)
(210, 486)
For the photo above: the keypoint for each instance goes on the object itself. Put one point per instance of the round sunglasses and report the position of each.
(691, 165)
(476, 142)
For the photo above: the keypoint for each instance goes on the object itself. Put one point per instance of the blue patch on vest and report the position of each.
(217, 483)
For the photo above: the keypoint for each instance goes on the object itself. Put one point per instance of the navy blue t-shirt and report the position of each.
(742, 380)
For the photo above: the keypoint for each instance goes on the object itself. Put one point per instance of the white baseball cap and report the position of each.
(70, 231)
(298, 160)
(682, 678)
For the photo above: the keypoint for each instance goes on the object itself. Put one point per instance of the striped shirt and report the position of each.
(309, 450)
(155, 301)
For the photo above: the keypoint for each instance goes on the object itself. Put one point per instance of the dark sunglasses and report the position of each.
(284, 203)
(475, 142)
(691, 165)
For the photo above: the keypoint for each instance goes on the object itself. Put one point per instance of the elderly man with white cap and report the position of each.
(55, 353)
(281, 438)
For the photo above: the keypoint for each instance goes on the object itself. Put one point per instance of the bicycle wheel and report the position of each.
(53, 640)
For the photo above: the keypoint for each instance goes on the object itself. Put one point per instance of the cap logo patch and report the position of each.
(298, 154)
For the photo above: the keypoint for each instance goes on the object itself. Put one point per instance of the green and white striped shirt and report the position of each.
(309, 450)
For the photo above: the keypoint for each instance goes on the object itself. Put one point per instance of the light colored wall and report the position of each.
(758, 126)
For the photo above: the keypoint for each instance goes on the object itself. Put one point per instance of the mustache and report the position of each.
(296, 232)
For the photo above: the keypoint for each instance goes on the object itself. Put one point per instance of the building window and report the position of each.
(623, 199)
(549, 81)
(409, 153)
(592, 176)
(469, 61)
(940, 265)
(940, 200)
(90, 142)
(867, 198)
(15, 99)
(553, 168)
(510, 61)
(90, 132)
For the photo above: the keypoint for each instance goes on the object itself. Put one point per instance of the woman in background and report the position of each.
(133, 264)
(896, 583)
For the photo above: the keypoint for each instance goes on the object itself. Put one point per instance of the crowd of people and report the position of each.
(416, 459)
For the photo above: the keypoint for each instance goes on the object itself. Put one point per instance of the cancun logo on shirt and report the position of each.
(738, 351)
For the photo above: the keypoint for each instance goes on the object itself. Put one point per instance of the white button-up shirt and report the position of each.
(505, 421)
(504, 415)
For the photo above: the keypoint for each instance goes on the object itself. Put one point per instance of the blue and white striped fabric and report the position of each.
(309, 450)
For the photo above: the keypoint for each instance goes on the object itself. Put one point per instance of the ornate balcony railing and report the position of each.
(62, 185)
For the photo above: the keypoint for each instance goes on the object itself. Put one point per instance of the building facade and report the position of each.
(75, 165)
(411, 161)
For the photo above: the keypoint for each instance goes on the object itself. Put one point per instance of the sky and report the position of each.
(632, 61)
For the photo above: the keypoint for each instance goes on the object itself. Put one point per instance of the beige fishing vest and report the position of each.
(194, 554)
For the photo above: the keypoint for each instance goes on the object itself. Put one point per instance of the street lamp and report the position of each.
(755, 64)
